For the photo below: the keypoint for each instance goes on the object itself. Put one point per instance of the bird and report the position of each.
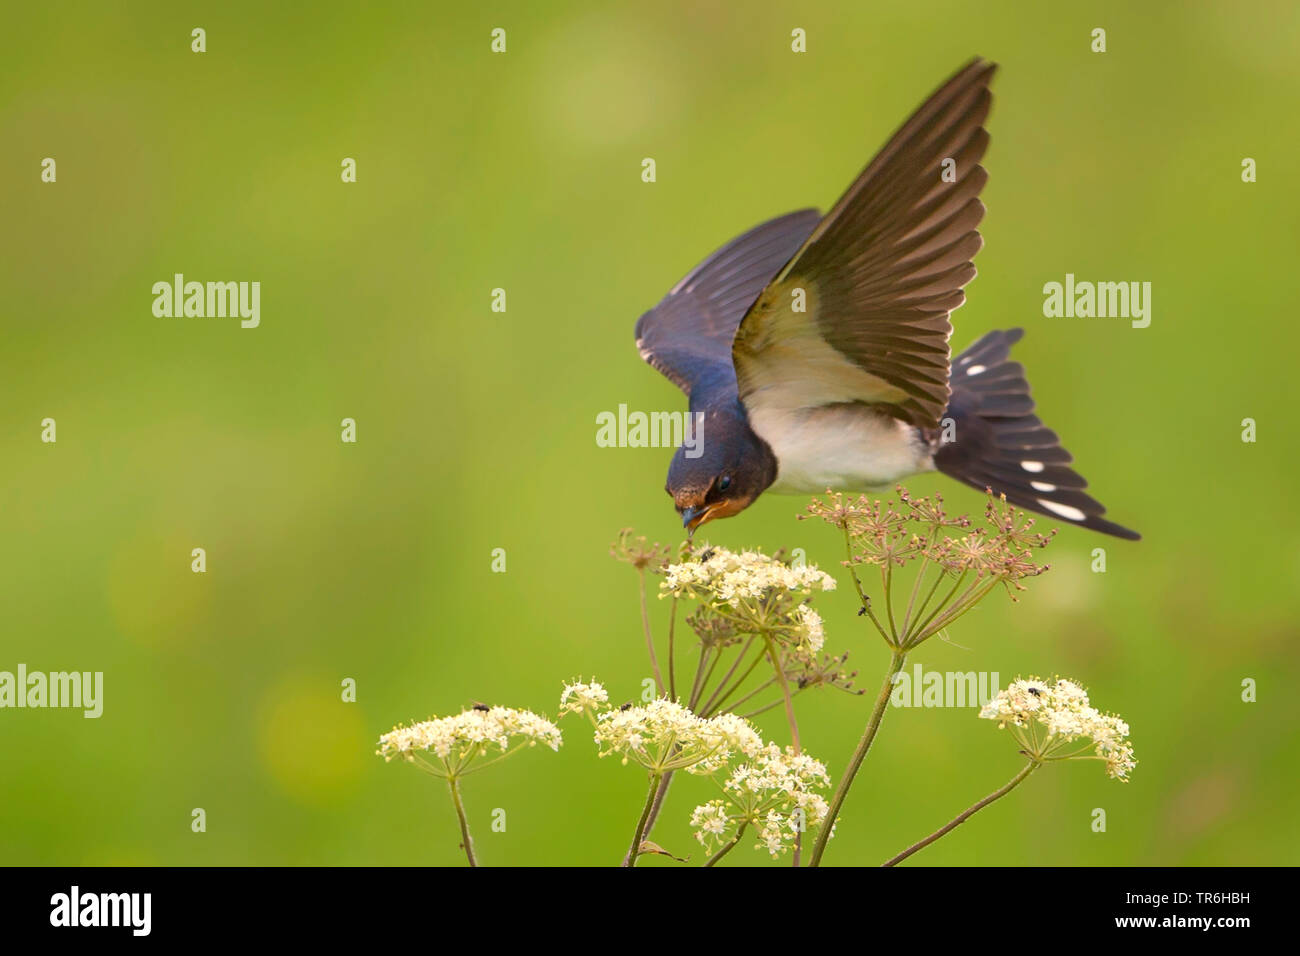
(814, 350)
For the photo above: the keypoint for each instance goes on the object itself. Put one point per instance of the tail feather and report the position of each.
(1000, 444)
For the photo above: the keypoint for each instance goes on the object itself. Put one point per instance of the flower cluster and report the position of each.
(811, 631)
(638, 552)
(459, 740)
(957, 563)
(664, 736)
(919, 528)
(775, 793)
(728, 577)
(752, 593)
(581, 698)
(1048, 717)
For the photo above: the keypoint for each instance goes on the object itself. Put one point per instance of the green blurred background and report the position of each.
(476, 430)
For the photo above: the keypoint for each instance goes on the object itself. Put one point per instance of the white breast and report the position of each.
(844, 447)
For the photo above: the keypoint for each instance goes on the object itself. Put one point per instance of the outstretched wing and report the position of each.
(860, 314)
(688, 335)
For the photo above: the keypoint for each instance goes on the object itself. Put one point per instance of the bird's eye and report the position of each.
(724, 482)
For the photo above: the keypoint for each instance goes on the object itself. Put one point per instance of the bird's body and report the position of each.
(816, 348)
(849, 445)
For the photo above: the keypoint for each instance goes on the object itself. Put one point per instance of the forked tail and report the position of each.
(999, 443)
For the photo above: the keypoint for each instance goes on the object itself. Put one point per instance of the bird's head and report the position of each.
(721, 475)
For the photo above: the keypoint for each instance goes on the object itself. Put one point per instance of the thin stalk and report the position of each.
(753, 693)
(708, 675)
(929, 595)
(465, 839)
(750, 715)
(785, 694)
(635, 850)
(947, 598)
(952, 615)
(649, 638)
(887, 583)
(672, 665)
(853, 571)
(792, 720)
(916, 585)
(860, 754)
(966, 814)
(727, 848)
(727, 676)
(696, 688)
(713, 706)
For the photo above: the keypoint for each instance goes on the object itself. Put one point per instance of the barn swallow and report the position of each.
(816, 347)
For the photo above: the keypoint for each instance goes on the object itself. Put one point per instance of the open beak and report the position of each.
(692, 518)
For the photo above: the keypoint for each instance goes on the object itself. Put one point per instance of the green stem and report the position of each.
(750, 715)
(785, 694)
(952, 615)
(649, 638)
(724, 850)
(752, 694)
(887, 583)
(790, 718)
(942, 605)
(696, 687)
(967, 814)
(731, 672)
(635, 850)
(713, 706)
(465, 839)
(916, 584)
(672, 664)
(860, 754)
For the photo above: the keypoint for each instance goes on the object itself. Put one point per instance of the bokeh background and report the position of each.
(476, 430)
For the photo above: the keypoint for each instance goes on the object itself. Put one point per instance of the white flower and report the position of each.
(814, 635)
(1063, 709)
(468, 735)
(710, 820)
(755, 594)
(663, 735)
(727, 576)
(578, 698)
(774, 792)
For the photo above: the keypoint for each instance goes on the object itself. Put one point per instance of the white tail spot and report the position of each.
(975, 369)
(1042, 486)
(1034, 466)
(1067, 512)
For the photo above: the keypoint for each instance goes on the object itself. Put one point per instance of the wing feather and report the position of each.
(688, 335)
(881, 273)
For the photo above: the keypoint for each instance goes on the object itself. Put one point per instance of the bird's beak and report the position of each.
(689, 516)
(692, 518)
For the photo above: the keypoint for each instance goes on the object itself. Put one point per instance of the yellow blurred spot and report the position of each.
(312, 743)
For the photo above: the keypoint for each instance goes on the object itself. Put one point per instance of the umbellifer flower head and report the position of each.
(774, 792)
(1050, 718)
(663, 736)
(728, 576)
(578, 698)
(955, 564)
(459, 741)
(749, 592)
